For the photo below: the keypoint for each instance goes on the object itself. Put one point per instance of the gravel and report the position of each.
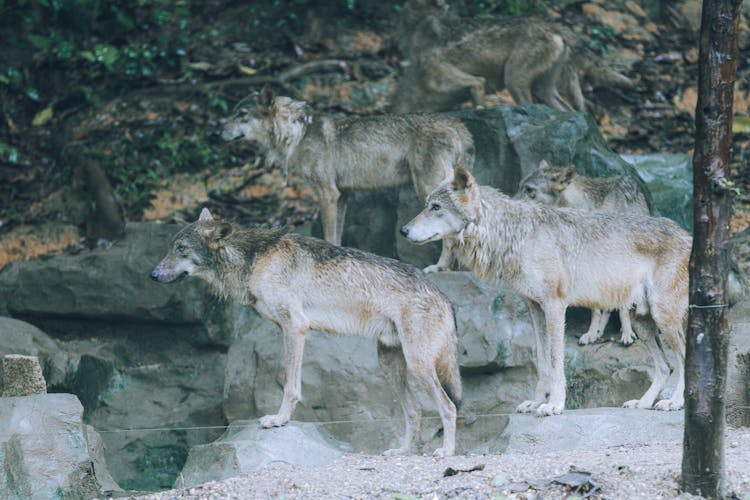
(634, 472)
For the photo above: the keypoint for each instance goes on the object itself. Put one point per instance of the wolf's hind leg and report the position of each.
(392, 361)
(647, 332)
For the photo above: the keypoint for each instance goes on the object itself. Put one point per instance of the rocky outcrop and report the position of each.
(593, 429)
(246, 447)
(47, 451)
(21, 376)
(163, 368)
(137, 354)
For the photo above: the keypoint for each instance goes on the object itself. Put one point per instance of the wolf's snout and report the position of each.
(155, 274)
(405, 231)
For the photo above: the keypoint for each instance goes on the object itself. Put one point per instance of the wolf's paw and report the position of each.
(636, 403)
(627, 338)
(395, 452)
(668, 405)
(433, 269)
(443, 452)
(548, 409)
(587, 338)
(528, 406)
(273, 421)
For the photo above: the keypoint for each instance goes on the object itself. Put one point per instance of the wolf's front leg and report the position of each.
(444, 262)
(599, 320)
(554, 313)
(294, 346)
(329, 210)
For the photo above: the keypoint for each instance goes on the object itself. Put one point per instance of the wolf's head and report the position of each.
(250, 120)
(546, 183)
(266, 120)
(452, 206)
(193, 250)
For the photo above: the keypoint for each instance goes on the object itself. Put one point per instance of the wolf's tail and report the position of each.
(452, 384)
(450, 376)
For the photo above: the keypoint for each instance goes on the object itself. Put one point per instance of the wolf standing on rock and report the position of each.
(555, 258)
(337, 154)
(560, 186)
(303, 283)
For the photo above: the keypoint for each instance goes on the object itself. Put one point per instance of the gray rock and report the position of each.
(23, 338)
(22, 376)
(738, 366)
(113, 283)
(246, 448)
(44, 450)
(739, 270)
(510, 142)
(670, 180)
(592, 429)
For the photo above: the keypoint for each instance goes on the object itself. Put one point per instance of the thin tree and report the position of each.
(708, 330)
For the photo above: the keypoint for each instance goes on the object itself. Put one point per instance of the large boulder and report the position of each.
(593, 429)
(112, 284)
(47, 451)
(138, 354)
(669, 179)
(738, 366)
(246, 447)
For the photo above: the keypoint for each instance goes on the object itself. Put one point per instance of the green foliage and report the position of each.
(137, 166)
(128, 38)
(8, 153)
(470, 8)
(600, 37)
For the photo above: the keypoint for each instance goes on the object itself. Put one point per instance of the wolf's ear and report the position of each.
(266, 96)
(462, 178)
(561, 178)
(224, 230)
(216, 233)
(543, 165)
(205, 215)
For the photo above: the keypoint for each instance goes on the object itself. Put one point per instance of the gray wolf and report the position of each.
(303, 283)
(452, 59)
(560, 257)
(337, 154)
(562, 186)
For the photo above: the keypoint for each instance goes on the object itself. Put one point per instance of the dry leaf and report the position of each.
(42, 117)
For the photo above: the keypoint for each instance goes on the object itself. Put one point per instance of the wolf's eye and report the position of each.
(180, 248)
(530, 192)
(435, 207)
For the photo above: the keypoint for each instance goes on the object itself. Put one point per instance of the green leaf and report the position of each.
(40, 42)
(741, 124)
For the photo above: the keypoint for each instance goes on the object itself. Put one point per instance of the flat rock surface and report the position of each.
(618, 466)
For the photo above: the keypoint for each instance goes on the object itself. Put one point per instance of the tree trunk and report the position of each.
(708, 331)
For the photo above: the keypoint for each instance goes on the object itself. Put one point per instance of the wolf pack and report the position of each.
(562, 240)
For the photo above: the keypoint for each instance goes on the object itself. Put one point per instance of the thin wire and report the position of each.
(319, 422)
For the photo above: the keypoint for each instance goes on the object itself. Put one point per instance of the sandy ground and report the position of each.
(629, 472)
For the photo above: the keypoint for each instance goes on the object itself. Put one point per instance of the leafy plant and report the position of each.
(600, 37)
